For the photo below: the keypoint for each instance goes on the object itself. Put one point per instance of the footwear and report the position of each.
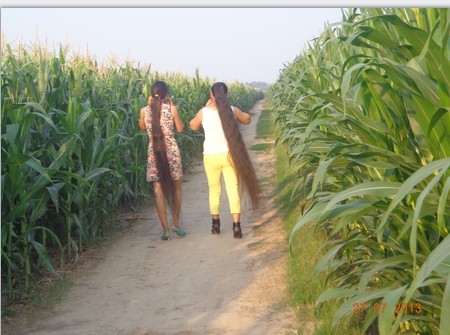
(215, 229)
(165, 236)
(237, 232)
(180, 232)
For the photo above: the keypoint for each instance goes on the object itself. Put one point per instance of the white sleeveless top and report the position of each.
(215, 141)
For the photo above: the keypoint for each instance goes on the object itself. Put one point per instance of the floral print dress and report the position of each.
(172, 150)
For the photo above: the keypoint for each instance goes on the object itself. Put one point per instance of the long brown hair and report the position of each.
(236, 145)
(159, 96)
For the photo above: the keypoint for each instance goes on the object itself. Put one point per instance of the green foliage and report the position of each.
(72, 151)
(306, 250)
(364, 112)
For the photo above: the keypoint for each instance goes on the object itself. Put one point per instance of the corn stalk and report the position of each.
(364, 112)
(72, 153)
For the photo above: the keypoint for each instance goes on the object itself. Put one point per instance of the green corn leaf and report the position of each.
(437, 117)
(443, 204)
(387, 316)
(359, 298)
(97, 172)
(417, 210)
(53, 191)
(320, 175)
(44, 257)
(37, 166)
(335, 293)
(311, 215)
(39, 206)
(11, 132)
(444, 326)
(408, 186)
(377, 189)
(438, 139)
(439, 255)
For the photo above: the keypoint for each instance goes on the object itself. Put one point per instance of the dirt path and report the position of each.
(202, 284)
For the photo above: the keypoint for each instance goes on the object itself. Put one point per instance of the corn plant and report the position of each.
(72, 153)
(364, 111)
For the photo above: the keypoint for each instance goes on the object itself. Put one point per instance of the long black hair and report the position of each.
(159, 92)
(239, 154)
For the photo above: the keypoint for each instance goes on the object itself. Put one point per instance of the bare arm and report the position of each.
(141, 120)
(242, 117)
(196, 122)
(179, 125)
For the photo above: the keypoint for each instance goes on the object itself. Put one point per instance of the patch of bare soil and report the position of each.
(201, 284)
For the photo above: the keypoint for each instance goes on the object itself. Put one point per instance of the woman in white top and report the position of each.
(224, 153)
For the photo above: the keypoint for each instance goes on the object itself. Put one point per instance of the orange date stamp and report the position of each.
(381, 307)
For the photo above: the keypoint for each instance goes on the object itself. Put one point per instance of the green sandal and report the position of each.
(180, 232)
(165, 236)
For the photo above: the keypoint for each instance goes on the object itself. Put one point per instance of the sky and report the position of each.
(225, 44)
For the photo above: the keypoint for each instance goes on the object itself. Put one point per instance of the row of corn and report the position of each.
(72, 151)
(365, 113)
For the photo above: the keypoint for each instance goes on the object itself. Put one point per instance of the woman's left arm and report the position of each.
(141, 120)
(242, 117)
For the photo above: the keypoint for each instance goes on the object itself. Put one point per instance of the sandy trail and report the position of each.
(202, 284)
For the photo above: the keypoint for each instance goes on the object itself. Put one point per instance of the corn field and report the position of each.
(364, 113)
(72, 151)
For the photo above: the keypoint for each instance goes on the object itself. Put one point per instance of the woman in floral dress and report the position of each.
(160, 119)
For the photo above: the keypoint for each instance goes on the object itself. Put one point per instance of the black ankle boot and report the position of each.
(215, 229)
(237, 233)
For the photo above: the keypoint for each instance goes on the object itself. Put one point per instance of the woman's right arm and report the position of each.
(196, 122)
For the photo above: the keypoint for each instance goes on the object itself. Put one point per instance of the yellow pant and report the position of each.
(215, 166)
